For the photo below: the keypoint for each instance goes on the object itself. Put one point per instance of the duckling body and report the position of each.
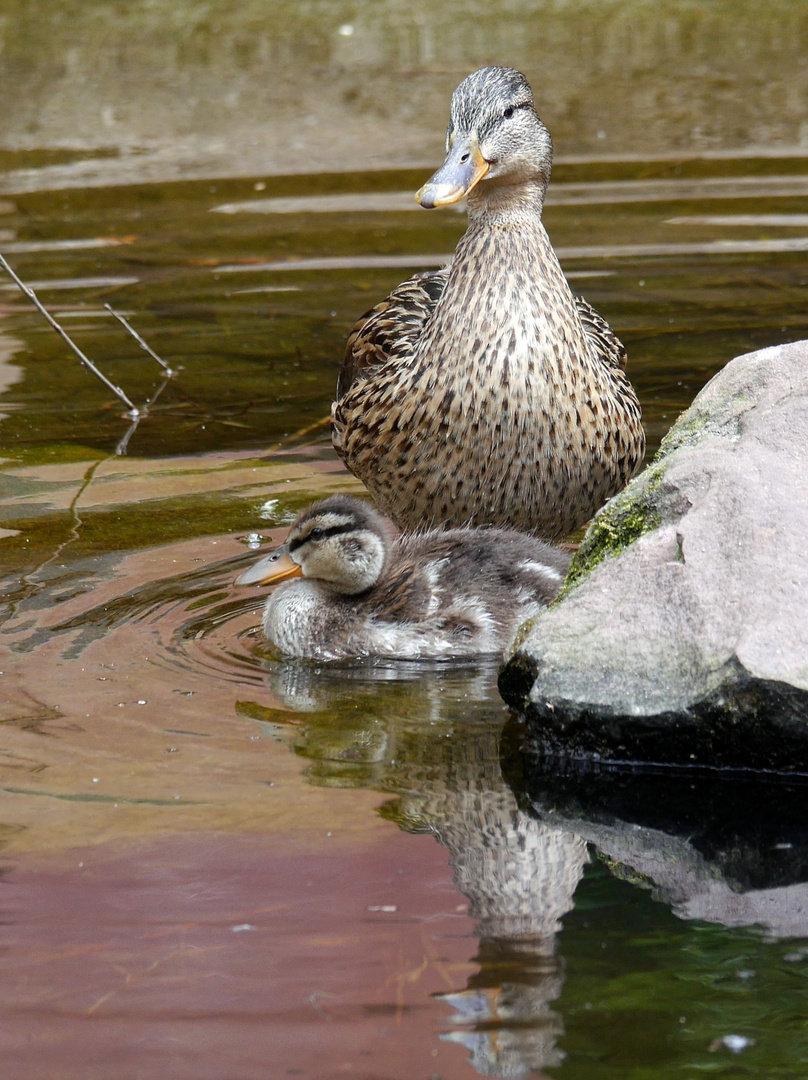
(488, 393)
(363, 590)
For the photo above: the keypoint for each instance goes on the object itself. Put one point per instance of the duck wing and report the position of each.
(390, 330)
(402, 596)
(608, 346)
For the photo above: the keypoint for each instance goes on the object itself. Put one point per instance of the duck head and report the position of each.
(341, 542)
(494, 137)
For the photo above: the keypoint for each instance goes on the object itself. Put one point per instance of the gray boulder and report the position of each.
(682, 634)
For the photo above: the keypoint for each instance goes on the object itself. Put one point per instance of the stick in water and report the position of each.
(133, 410)
(146, 348)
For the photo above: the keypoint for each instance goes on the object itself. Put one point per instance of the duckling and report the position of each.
(367, 591)
(487, 393)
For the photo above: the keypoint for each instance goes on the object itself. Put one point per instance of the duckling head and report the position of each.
(494, 136)
(340, 542)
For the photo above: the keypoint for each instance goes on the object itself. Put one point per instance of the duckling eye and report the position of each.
(508, 112)
(317, 533)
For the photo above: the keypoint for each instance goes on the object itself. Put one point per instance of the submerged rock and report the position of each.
(682, 635)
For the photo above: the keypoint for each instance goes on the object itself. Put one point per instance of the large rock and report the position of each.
(683, 634)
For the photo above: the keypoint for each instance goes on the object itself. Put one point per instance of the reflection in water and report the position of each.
(723, 848)
(727, 850)
(437, 739)
(437, 749)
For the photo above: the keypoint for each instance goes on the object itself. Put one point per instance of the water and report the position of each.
(217, 866)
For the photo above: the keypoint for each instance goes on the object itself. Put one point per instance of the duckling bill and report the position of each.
(488, 393)
(361, 589)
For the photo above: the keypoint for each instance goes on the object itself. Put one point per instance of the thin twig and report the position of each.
(134, 411)
(146, 348)
(123, 444)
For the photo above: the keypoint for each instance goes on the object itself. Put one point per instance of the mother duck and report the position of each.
(487, 393)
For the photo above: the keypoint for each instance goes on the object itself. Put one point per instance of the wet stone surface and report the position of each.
(684, 638)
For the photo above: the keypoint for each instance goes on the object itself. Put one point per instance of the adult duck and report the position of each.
(487, 392)
(363, 590)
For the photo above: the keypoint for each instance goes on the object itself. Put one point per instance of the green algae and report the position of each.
(637, 509)
(624, 519)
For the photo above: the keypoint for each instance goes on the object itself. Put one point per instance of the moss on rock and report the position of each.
(636, 510)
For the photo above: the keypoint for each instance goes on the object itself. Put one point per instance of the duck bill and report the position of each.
(279, 566)
(460, 173)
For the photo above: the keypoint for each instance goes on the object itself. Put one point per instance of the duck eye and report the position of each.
(317, 533)
(508, 112)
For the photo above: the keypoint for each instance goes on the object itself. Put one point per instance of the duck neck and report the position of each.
(506, 291)
(506, 204)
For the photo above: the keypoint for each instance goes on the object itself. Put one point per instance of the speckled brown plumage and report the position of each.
(487, 392)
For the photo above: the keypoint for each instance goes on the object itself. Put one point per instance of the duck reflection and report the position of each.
(518, 829)
(431, 735)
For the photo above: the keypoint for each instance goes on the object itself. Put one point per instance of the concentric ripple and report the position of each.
(193, 622)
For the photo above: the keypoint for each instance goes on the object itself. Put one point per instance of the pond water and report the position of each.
(216, 866)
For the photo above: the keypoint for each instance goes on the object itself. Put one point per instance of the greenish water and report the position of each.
(145, 737)
(680, 988)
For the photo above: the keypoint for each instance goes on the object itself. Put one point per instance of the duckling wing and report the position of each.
(414, 612)
(608, 347)
(402, 596)
(391, 329)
